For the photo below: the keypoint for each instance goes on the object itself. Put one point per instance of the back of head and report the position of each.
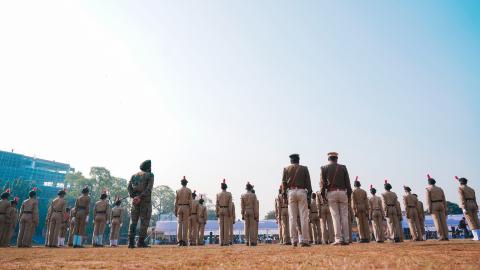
(248, 186)
(407, 189)
(223, 185)
(356, 183)
(85, 190)
(184, 181)
(146, 166)
(294, 158)
(463, 181)
(373, 191)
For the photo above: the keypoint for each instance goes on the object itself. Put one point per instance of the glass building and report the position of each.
(45, 174)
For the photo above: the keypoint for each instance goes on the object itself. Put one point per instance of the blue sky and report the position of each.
(214, 89)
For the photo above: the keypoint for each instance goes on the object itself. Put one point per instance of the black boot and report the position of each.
(141, 242)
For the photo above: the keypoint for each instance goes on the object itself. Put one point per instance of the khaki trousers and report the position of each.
(115, 229)
(315, 230)
(326, 225)
(224, 226)
(231, 231)
(377, 220)
(298, 207)
(249, 226)
(440, 220)
(193, 230)
(183, 214)
(472, 219)
(393, 223)
(338, 203)
(285, 228)
(54, 228)
(201, 233)
(414, 223)
(362, 224)
(25, 232)
(99, 224)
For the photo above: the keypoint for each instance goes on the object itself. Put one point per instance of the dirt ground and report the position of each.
(409, 255)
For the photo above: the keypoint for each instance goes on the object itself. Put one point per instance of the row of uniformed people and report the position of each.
(59, 220)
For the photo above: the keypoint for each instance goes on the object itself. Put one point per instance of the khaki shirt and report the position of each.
(314, 213)
(375, 204)
(118, 212)
(359, 201)
(435, 194)
(224, 200)
(248, 201)
(468, 200)
(30, 207)
(102, 208)
(202, 214)
(12, 216)
(297, 176)
(389, 200)
(183, 197)
(335, 178)
(421, 210)
(141, 184)
(58, 206)
(232, 212)
(194, 208)
(82, 204)
(410, 202)
(4, 205)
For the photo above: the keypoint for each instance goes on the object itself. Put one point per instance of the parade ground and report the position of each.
(456, 254)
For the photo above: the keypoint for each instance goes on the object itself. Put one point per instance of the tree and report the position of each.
(453, 209)
(270, 215)
(163, 199)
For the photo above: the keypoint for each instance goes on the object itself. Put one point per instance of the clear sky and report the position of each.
(214, 89)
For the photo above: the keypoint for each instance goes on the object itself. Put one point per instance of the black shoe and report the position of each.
(247, 244)
(141, 243)
(295, 244)
(288, 244)
(345, 243)
(253, 244)
(396, 240)
(305, 245)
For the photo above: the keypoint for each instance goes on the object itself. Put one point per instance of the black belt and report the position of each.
(411, 206)
(469, 199)
(2, 213)
(184, 204)
(27, 212)
(101, 212)
(115, 216)
(193, 213)
(223, 206)
(313, 212)
(438, 201)
(376, 209)
(392, 205)
(57, 211)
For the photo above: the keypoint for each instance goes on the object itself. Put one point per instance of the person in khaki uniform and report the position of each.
(116, 220)
(411, 208)
(437, 207)
(202, 221)
(248, 208)
(101, 215)
(468, 202)
(278, 219)
(71, 224)
(360, 211)
(400, 219)
(376, 215)
(326, 222)
(4, 222)
(193, 221)
(12, 217)
(282, 205)
(63, 231)
(223, 209)
(296, 183)
(56, 214)
(28, 219)
(421, 216)
(82, 209)
(314, 219)
(389, 205)
(232, 222)
(183, 205)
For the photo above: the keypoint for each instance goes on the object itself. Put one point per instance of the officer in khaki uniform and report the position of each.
(376, 215)
(437, 207)
(116, 220)
(282, 205)
(4, 222)
(232, 221)
(63, 231)
(193, 228)
(389, 205)
(82, 209)
(56, 214)
(248, 209)
(360, 211)
(183, 204)
(28, 219)
(326, 222)
(411, 208)
(314, 219)
(71, 229)
(202, 221)
(421, 216)
(400, 219)
(223, 209)
(101, 215)
(468, 202)
(12, 215)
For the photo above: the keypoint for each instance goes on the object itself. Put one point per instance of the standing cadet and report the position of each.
(468, 202)
(296, 182)
(360, 211)
(411, 208)
(326, 222)
(336, 189)
(389, 203)
(315, 221)
(140, 189)
(202, 220)
(437, 207)
(278, 217)
(248, 207)
(56, 214)
(63, 231)
(101, 215)
(232, 221)
(4, 224)
(222, 209)
(193, 228)
(116, 222)
(82, 209)
(183, 204)
(376, 215)
(28, 219)
(71, 224)
(421, 216)
(283, 217)
(12, 217)
(400, 219)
